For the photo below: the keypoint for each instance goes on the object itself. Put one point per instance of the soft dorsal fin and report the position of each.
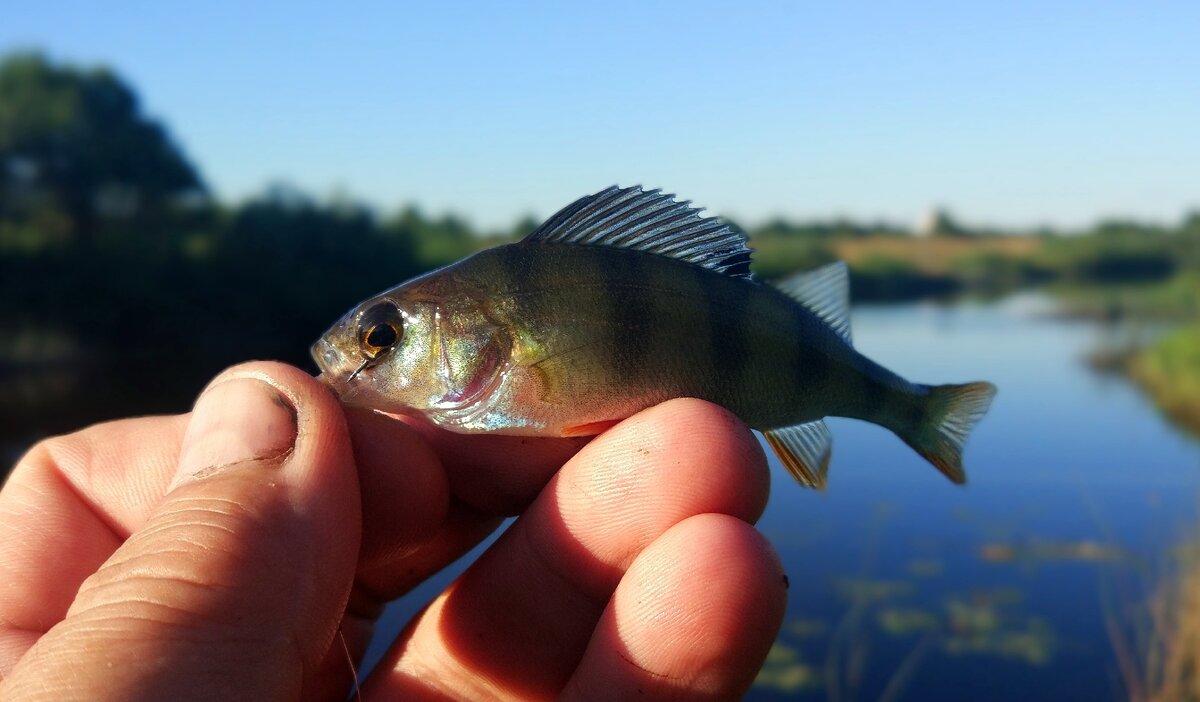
(826, 293)
(650, 221)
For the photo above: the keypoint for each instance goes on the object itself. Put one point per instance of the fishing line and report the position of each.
(350, 662)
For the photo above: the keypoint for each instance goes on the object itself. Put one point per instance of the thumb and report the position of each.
(235, 586)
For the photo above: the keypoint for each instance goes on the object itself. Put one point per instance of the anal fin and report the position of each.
(804, 449)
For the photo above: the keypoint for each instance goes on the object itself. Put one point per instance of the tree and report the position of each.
(76, 141)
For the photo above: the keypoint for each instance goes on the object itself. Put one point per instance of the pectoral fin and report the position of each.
(591, 428)
(804, 449)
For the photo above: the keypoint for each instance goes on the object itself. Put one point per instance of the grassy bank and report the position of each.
(1169, 371)
(1174, 299)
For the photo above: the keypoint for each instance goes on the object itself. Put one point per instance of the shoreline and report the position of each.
(1168, 371)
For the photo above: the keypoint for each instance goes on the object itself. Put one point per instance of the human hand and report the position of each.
(218, 554)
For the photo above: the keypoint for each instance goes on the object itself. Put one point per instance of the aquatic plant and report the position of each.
(1157, 643)
(785, 671)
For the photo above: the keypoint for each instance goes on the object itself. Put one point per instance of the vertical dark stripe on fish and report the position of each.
(780, 362)
(813, 368)
(628, 326)
(530, 273)
(714, 349)
(643, 326)
(876, 394)
(579, 273)
(876, 389)
(517, 266)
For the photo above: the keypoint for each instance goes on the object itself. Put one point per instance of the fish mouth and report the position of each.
(327, 358)
(335, 373)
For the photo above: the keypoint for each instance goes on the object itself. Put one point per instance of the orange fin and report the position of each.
(591, 428)
(804, 449)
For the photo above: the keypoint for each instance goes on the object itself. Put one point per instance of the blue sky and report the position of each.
(1012, 113)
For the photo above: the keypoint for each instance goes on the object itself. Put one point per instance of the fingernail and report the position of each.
(234, 422)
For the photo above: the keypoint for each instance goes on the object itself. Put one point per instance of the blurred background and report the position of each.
(1014, 188)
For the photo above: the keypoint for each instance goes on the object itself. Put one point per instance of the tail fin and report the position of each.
(951, 411)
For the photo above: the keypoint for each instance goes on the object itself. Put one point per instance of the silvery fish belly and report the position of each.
(622, 300)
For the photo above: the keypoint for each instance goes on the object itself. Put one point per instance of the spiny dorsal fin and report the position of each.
(826, 293)
(650, 221)
(805, 450)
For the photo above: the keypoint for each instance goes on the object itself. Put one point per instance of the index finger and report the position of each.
(493, 473)
(430, 495)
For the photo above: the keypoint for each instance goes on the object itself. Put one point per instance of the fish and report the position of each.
(622, 300)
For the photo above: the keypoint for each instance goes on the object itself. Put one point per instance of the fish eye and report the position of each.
(381, 336)
(379, 330)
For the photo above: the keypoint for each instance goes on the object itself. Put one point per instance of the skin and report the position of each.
(216, 555)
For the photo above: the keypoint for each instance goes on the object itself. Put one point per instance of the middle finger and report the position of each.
(517, 622)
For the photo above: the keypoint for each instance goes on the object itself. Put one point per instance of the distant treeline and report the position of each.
(887, 263)
(110, 243)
